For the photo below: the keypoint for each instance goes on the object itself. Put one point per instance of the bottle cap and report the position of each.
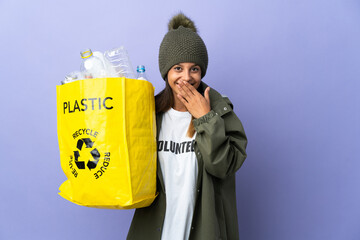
(86, 53)
(140, 68)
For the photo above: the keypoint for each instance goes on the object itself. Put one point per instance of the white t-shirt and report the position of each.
(179, 168)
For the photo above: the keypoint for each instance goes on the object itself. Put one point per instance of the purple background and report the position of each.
(291, 68)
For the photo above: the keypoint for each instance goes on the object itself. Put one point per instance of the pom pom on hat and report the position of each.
(181, 20)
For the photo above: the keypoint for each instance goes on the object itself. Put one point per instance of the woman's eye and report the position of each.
(177, 68)
(195, 69)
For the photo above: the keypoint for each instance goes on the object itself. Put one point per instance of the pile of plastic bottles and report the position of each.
(113, 63)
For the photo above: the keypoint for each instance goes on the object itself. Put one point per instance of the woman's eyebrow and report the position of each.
(181, 65)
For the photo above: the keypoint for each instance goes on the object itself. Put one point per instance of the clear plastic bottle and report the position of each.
(141, 72)
(92, 65)
(120, 61)
(68, 78)
(110, 71)
(73, 76)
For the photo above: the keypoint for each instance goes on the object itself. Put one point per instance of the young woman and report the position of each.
(201, 144)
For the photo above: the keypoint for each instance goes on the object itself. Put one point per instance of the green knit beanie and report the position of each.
(182, 44)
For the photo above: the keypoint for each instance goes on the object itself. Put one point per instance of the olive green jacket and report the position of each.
(220, 145)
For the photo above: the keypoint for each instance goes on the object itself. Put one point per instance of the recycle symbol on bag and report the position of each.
(86, 152)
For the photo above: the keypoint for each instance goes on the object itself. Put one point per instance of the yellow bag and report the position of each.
(107, 140)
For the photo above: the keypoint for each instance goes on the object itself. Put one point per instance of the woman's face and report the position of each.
(187, 72)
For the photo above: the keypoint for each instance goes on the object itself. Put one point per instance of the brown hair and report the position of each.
(164, 100)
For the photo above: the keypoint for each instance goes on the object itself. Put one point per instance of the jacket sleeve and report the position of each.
(221, 140)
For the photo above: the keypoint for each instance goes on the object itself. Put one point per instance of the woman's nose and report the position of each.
(186, 76)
